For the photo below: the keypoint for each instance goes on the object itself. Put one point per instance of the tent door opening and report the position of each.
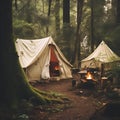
(54, 67)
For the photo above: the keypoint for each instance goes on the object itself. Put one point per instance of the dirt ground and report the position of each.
(81, 107)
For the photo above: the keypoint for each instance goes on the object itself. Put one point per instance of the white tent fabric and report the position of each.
(102, 54)
(34, 57)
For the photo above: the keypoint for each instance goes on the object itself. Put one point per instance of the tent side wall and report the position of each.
(90, 63)
(40, 68)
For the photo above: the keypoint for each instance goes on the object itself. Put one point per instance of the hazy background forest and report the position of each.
(76, 26)
(87, 22)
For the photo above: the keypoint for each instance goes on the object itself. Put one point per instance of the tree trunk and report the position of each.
(118, 12)
(49, 9)
(77, 42)
(66, 11)
(92, 25)
(57, 17)
(66, 27)
(16, 7)
(28, 15)
(13, 84)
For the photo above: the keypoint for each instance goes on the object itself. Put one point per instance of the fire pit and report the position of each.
(88, 80)
(89, 76)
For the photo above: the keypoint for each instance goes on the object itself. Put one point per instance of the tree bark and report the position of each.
(118, 12)
(92, 25)
(49, 9)
(13, 84)
(16, 7)
(57, 17)
(66, 27)
(66, 11)
(77, 42)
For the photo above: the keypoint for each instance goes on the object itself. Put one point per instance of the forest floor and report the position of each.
(82, 105)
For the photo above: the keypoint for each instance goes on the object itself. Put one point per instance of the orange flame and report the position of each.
(56, 67)
(88, 76)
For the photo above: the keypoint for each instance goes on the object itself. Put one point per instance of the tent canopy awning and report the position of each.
(30, 50)
(102, 54)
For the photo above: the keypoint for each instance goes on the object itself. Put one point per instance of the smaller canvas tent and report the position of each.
(42, 59)
(102, 54)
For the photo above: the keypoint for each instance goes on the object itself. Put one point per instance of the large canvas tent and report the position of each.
(101, 55)
(42, 59)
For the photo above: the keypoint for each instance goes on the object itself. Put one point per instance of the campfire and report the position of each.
(89, 76)
(56, 68)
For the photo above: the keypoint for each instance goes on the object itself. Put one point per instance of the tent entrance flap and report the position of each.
(54, 67)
